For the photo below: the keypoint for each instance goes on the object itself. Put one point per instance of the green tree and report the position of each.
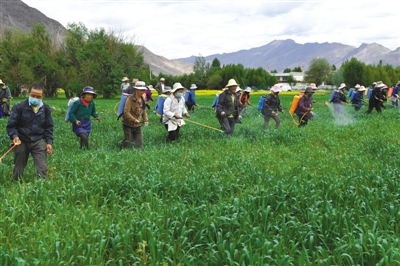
(214, 82)
(318, 72)
(200, 69)
(216, 63)
(297, 69)
(337, 77)
(353, 72)
(287, 70)
(291, 80)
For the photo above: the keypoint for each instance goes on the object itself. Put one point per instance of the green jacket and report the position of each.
(80, 112)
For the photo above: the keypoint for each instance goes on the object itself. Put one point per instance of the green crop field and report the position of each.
(325, 194)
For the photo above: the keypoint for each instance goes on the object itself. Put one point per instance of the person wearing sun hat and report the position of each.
(304, 107)
(160, 86)
(80, 114)
(190, 97)
(271, 106)
(173, 111)
(339, 99)
(134, 111)
(125, 84)
(376, 99)
(243, 99)
(228, 108)
(358, 99)
(395, 96)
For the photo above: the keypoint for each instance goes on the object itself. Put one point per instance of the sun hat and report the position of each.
(312, 86)
(308, 89)
(398, 83)
(362, 88)
(88, 90)
(1, 82)
(125, 79)
(162, 79)
(177, 86)
(140, 85)
(357, 86)
(167, 89)
(342, 86)
(193, 87)
(379, 84)
(135, 80)
(150, 87)
(238, 89)
(374, 83)
(231, 82)
(248, 89)
(276, 89)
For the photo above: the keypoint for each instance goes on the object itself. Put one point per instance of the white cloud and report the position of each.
(177, 29)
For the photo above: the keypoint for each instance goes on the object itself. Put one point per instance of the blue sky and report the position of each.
(177, 29)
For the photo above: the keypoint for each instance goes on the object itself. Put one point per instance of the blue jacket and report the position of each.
(30, 126)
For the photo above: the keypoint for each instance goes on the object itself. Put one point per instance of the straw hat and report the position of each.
(88, 90)
(379, 84)
(162, 79)
(1, 82)
(125, 79)
(135, 80)
(342, 86)
(362, 88)
(231, 82)
(177, 86)
(140, 85)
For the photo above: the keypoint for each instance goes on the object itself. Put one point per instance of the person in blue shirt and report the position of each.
(395, 96)
(190, 97)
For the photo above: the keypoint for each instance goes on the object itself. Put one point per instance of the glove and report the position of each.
(146, 123)
(222, 113)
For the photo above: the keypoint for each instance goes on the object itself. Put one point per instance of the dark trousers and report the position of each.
(172, 135)
(190, 107)
(276, 119)
(132, 135)
(84, 140)
(372, 105)
(228, 125)
(21, 153)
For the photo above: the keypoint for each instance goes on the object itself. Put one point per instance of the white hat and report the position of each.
(162, 79)
(362, 88)
(231, 82)
(238, 89)
(140, 85)
(150, 87)
(313, 86)
(177, 86)
(342, 86)
(357, 86)
(248, 89)
(193, 86)
(379, 84)
(1, 82)
(167, 89)
(125, 79)
(275, 88)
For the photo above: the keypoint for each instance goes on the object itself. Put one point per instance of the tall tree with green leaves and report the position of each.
(318, 71)
(200, 69)
(354, 72)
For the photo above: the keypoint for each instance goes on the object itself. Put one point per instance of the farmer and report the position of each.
(160, 86)
(5, 96)
(125, 84)
(303, 110)
(31, 128)
(134, 111)
(376, 98)
(174, 109)
(339, 100)
(243, 99)
(272, 104)
(148, 95)
(358, 99)
(190, 97)
(80, 114)
(228, 108)
(395, 96)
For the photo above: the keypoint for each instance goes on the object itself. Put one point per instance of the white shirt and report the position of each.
(171, 107)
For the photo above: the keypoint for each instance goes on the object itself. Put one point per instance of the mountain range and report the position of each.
(276, 55)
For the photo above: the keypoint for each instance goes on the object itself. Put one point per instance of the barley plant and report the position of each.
(324, 194)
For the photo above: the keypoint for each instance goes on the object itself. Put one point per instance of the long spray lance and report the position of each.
(7, 152)
(197, 123)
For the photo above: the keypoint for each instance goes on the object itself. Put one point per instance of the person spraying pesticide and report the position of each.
(304, 107)
(80, 114)
(272, 104)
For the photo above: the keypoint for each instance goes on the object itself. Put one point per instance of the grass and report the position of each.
(325, 194)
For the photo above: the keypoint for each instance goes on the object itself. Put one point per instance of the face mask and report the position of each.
(179, 95)
(34, 101)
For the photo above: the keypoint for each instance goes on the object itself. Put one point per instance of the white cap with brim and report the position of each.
(140, 85)
(177, 86)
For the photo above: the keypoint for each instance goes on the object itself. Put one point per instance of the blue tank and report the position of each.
(160, 104)
(261, 103)
(121, 105)
(369, 94)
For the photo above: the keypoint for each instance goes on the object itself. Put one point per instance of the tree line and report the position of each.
(100, 59)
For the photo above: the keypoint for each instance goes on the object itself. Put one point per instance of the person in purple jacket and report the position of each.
(303, 110)
(395, 96)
